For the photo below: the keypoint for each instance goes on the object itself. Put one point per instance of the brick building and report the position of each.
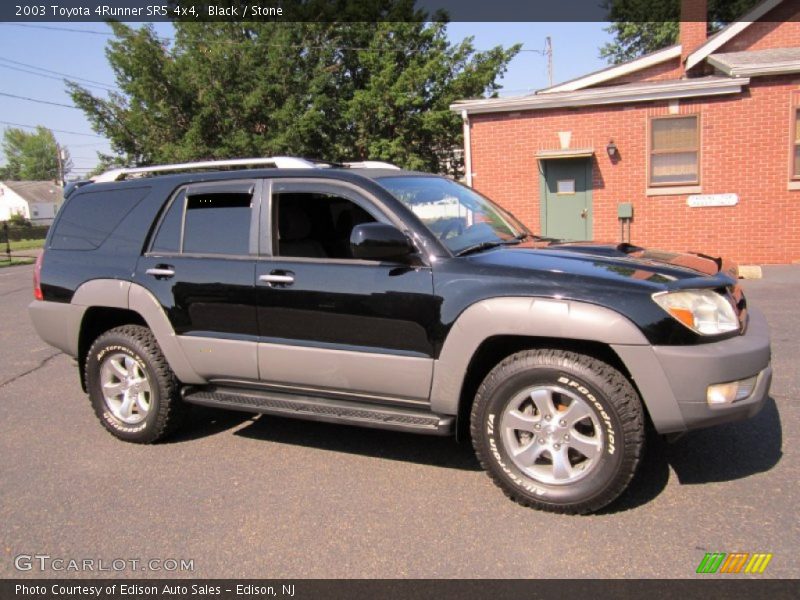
(701, 138)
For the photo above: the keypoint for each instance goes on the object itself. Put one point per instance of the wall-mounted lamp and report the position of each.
(611, 148)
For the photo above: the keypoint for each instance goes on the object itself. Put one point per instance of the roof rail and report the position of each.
(371, 164)
(279, 162)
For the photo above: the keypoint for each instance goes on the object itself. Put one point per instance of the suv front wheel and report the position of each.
(557, 430)
(132, 389)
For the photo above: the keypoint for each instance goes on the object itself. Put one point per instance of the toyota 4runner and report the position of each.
(368, 295)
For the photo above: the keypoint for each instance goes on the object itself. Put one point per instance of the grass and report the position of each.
(23, 245)
(4, 262)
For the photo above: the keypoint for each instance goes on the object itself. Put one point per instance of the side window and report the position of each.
(88, 218)
(168, 238)
(217, 224)
(316, 225)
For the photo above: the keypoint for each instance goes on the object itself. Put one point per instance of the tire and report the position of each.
(557, 430)
(134, 393)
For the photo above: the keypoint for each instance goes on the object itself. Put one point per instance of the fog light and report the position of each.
(728, 393)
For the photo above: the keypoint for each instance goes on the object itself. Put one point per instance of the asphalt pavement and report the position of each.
(248, 496)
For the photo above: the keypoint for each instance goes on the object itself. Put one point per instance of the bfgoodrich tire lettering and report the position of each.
(557, 430)
(134, 393)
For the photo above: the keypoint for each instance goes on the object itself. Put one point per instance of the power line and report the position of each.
(67, 75)
(53, 28)
(210, 42)
(37, 100)
(53, 77)
(95, 144)
(55, 130)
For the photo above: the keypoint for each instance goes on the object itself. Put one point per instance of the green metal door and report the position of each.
(567, 198)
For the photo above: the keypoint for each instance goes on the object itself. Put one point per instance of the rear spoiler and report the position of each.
(74, 185)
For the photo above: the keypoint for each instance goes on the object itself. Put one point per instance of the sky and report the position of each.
(78, 52)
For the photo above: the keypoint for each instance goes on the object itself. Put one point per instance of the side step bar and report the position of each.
(321, 409)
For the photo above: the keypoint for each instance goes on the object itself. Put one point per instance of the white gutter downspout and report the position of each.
(467, 148)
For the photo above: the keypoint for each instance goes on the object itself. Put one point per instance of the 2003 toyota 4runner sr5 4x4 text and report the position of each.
(368, 295)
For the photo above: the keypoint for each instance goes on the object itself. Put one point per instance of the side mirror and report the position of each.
(378, 241)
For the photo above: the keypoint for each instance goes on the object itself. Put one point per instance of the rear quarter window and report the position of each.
(88, 218)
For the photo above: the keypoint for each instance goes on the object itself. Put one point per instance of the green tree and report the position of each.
(32, 156)
(643, 26)
(362, 88)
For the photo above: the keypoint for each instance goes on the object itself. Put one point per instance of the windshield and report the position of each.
(457, 215)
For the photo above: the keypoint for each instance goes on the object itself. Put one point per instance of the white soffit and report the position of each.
(620, 94)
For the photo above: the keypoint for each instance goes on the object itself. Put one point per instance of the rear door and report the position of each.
(200, 266)
(331, 324)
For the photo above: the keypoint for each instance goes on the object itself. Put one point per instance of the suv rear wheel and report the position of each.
(557, 430)
(132, 389)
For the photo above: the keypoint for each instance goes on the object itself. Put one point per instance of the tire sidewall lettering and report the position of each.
(599, 408)
(106, 415)
(525, 483)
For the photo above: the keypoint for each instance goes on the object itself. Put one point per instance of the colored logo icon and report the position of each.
(736, 562)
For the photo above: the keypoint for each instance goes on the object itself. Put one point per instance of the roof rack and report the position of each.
(278, 162)
(371, 164)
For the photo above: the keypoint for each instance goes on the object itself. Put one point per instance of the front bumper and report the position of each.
(674, 380)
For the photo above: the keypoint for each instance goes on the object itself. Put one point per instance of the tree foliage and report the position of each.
(333, 90)
(643, 26)
(32, 156)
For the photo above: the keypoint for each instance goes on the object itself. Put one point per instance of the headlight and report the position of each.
(703, 311)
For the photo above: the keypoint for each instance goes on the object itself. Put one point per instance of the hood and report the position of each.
(695, 262)
(620, 262)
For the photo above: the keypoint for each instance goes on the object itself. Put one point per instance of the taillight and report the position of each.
(37, 278)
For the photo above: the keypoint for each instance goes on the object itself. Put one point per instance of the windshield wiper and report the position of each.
(478, 248)
(486, 245)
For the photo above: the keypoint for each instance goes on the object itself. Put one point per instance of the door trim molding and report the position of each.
(358, 373)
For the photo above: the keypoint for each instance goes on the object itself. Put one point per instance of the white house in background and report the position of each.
(37, 201)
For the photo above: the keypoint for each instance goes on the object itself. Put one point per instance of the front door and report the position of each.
(329, 323)
(567, 206)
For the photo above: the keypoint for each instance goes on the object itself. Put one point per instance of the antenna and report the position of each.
(548, 52)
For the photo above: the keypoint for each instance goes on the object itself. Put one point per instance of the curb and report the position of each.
(750, 272)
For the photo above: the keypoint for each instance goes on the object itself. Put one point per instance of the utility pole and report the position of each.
(60, 162)
(548, 51)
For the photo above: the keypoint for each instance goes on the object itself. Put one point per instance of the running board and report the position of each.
(315, 408)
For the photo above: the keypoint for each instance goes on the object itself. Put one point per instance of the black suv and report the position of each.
(368, 295)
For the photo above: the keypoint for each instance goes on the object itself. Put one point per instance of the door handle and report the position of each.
(584, 212)
(282, 277)
(160, 271)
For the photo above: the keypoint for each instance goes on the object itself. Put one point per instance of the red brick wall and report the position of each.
(779, 28)
(745, 149)
(670, 69)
